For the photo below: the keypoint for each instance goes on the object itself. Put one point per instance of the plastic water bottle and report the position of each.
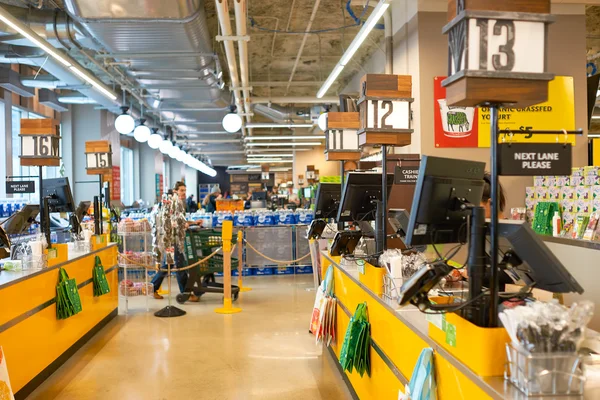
(53, 237)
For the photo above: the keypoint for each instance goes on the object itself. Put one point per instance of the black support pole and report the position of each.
(381, 225)
(41, 189)
(100, 203)
(493, 316)
(342, 173)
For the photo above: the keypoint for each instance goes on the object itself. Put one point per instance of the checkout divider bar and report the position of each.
(45, 305)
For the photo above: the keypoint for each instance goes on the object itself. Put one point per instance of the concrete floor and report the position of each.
(264, 353)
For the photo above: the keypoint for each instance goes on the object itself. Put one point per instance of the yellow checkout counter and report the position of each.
(398, 335)
(34, 341)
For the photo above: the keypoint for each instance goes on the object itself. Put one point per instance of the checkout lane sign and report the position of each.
(20, 187)
(530, 159)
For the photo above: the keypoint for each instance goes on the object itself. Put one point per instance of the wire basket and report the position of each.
(130, 289)
(391, 287)
(136, 259)
(544, 374)
(131, 227)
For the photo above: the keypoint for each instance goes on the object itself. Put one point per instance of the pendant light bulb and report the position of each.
(124, 124)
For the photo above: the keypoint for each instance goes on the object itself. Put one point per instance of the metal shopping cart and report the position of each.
(200, 243)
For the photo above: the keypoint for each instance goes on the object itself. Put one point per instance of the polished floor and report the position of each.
(264, 353)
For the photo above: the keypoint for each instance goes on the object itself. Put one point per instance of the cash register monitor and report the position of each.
(20, 221)
(327, 200)
(362, 192)
(58, 192)
(445, 190)
(530, 260)
(259, 196)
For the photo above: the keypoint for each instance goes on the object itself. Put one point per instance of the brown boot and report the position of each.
(158, 296)
(193, 298)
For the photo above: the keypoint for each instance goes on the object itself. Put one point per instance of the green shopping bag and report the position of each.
(68, 302)
(101, 286)
(355, 349)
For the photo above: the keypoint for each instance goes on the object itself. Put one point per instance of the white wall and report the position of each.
(191, 181)
(147, 173)
(85, 126)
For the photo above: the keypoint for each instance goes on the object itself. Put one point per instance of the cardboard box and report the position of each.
(530, 192)
(568, 205)
(583, 206)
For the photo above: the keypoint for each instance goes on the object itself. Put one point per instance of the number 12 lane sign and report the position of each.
(388, 114)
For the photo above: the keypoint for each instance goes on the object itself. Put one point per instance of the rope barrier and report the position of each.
(135, 263)
(273, 260)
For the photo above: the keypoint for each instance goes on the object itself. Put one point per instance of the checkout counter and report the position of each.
(469, 358)
(34, 340)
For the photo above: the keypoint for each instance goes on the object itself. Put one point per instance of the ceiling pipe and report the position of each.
(296, 100)
(225, 24)
(389, 42)
(303, 43)
(241, 17)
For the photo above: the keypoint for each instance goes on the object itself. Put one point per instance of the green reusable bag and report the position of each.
(355, 348)
(68, 302)
(101, 286)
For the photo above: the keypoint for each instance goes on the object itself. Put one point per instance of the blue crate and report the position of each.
(283, 271)
(263, 271)
(246, 272)
(304, 270)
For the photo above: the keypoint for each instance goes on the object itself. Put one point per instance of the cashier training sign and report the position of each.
(470, 127)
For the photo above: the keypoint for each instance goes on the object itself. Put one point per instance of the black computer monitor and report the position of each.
(446, 189)
(362, 191)
(58, 192)
(82, 209)
(20, 221)
(531, 260)
(327, 200)
(259, 196)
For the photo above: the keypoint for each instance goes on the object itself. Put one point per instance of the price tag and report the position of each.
(98, 161)
(388, 114)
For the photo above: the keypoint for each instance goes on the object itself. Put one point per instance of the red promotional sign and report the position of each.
(115, 189)
(454, 126)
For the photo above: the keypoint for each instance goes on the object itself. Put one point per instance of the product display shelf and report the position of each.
(133, 278)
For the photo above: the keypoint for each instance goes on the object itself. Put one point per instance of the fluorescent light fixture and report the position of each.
(270, 161)
(284, 144)
(368, 26)
(77, 99)
(270, 155)
(595, 116)
(267, 125)
(250, 138)
(30, 35)
(93, 81)
(332, 77)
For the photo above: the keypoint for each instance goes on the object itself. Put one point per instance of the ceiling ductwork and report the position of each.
(282, 114)
(155, 39)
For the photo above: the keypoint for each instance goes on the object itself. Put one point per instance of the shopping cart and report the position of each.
(201, 279)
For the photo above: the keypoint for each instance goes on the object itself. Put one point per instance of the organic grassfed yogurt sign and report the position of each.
(525, 159)
(470, 126)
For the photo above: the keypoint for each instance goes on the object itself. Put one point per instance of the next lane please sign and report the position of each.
(530, 159)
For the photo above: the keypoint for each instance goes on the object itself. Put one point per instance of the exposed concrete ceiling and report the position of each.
(272, 54)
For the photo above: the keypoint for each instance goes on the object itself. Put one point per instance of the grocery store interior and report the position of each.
(299, 199)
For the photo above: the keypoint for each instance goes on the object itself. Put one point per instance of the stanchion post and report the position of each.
(227, 234)
(240, 243)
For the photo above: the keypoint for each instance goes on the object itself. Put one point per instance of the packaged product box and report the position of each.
(530, 192)
(591, 170)
(530, 204)
(577, 181)
(538, 181)
(590, 231)
(541, 192)
(583, 193)
(568, 205)
(549, 181)
(592, 180)
(583, 206)
(595, 192)
(577, 171)
(530, 215)
(567, 193)
(596, 205)
(553, 193)
(561, 181)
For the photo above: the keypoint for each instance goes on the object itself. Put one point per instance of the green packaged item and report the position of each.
(355, 353)
(101, 286)
(542, 220)
(68, 302)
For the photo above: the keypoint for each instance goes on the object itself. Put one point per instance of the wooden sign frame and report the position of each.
(41, 130)
(99, 147)
(341, 121)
